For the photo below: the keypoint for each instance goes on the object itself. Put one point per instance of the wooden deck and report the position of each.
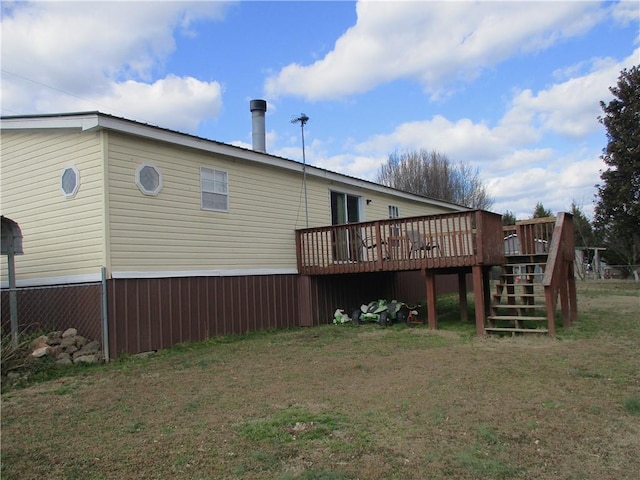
(463, 242)
(447, 241)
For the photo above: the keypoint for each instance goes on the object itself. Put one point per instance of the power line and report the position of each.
(50, 87)
(106, 107)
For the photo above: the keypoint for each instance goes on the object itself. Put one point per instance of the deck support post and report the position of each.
(480, 293)
(573, 301)
(462, 294)
(564, 298)
(305, 305)
(551, 300)
(432, 313)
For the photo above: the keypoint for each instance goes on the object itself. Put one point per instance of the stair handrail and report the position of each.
(558, 250)
(558, 272)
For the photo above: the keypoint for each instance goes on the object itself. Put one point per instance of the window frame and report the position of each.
(141, 187)
(394, 211)
(203, 191)
(76, 172)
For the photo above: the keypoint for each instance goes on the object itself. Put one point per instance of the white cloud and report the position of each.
(626, 11)
(570, 108)
(556, 187)
(105, 53)
(519, 166)
(460, 139)
(179, 101)
(435, 43)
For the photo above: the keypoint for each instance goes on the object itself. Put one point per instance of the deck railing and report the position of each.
(529, 237)
(434, 241)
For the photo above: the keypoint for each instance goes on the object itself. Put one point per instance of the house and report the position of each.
(191, 238)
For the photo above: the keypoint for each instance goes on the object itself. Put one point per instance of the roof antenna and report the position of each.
(303, 119)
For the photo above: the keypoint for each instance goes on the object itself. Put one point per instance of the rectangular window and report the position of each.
(214, 189)
(394, 212)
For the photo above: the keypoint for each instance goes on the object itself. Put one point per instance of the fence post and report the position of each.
(13, 300)
(105, 317)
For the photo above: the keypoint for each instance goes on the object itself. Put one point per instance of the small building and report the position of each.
(197, 238)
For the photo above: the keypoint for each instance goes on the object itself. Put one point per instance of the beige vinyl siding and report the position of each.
(378, 209)
(171, 233)
(62, 236)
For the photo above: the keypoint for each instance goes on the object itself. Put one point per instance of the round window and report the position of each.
(149, 179)
(70, 181)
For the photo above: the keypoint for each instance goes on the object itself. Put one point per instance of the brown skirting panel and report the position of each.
(152, 314)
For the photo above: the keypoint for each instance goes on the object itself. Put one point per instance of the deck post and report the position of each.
(573, 301)
(564, 297)
(432, 313)
(551, 298)
(462, 294)
(479, 298)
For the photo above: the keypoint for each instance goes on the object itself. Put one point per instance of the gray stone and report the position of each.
(71, 349)
(81, 341)
(93, 345)
(54, 341)
(63, 356)
(69, 332)
(41, 352)
(64, 361)
(68, 342)
(86, 359)
(55, 350)
(89, 349)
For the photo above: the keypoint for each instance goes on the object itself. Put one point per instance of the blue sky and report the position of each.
(512, 88)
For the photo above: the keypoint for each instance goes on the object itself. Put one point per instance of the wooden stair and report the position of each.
(519, 306)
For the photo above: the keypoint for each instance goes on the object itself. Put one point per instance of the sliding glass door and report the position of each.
(345, 209)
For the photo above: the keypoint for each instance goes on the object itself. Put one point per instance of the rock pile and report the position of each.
(67, 348)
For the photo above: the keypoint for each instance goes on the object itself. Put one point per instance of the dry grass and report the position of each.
(347, 403)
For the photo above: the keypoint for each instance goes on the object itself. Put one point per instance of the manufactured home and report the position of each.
(194, 238)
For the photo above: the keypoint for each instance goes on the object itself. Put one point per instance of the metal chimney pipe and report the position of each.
(258, 109)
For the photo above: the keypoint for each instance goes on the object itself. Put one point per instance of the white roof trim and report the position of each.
(95, 121)
(205, 273)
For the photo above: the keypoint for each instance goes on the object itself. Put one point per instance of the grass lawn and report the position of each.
(344, 402)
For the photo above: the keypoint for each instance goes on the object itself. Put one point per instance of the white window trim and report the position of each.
(201, 191)
(154, 192)
(394, 211)
(77, 187)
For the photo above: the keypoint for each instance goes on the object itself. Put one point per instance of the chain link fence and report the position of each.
(57, 308)
(588, 272)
